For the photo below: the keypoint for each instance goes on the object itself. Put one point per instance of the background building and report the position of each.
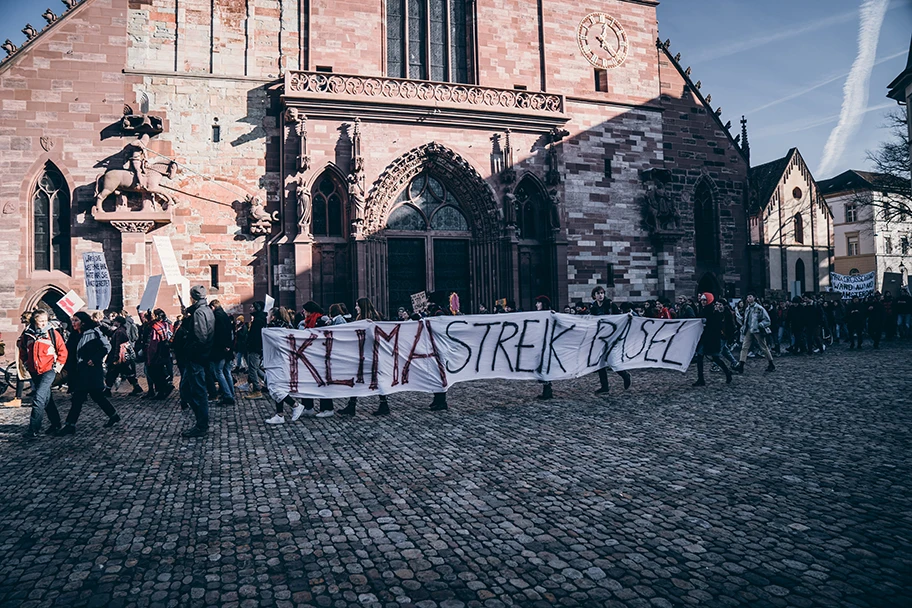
(871, 230)
(790, 228)
(901, 91)
(327, 150)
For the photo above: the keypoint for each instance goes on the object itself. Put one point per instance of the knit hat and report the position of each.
(709, 297)
(198, 293)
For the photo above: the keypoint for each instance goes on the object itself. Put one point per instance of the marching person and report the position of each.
(544, 303)
(710, 344)
(602, 306)
(855, 320)
(87, 378)
(756, 323)
(121, 361)
(240, 344)
(159, 368)
(365, 311)
(220, 359)
(43, 352)
(255, 375)
(193, 345)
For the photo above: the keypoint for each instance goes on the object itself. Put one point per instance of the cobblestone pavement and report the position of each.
(790, 489)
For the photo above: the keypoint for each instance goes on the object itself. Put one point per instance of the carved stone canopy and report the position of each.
(141, 124)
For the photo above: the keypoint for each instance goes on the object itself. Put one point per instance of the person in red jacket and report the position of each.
(43, 352)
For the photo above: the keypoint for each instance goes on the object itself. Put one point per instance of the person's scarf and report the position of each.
(85, 338)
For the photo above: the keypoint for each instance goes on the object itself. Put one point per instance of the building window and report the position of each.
(796, 193)
(51, 221)
(888, 245)
(427, 40)
(904, 245)
(425, 204)
(328, 207)
(852, 244)
(214, 276)
(851, 212)
(531, 210)
(601, 80)
(705, 228)
(799, 228)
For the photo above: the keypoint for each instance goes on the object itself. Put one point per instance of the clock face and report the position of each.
(602, 41)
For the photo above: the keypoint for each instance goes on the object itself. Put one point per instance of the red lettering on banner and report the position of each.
(328, 343)
(375, 371)
(413, 355)
(362, 335)
(297, 354)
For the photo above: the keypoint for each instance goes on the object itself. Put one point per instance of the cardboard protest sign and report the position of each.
(97, 280)
(419, 302)
(170, 268)
(183, 292)
(71, 303)
(150, 294)
(362, 358)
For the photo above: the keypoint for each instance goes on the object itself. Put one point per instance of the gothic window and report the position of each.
(427, 203)
(51, 221)
(427, 40)
(800, 275)
(799, 228)
(328, 200)
(531, 210)
(705, 234)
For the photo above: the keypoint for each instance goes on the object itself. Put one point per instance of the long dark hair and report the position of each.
(338, 309)
(367, 310)
(86, 322)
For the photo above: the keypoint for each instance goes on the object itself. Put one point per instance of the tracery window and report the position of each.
(427, 40)
(531, 210)
(328, 199)
(51, 221)
(427, 204)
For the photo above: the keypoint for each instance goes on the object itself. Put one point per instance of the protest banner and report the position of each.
(850, 285)
(419, 302)
(170, 268)
(150, 294)
(97, 280)
(430, 355)
(71, 303)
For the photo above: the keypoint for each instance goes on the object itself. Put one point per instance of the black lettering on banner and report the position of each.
(297, 354)
(665, 358)
(433, 354)
(328, 344)
(653, 340)
(375, 368)
(541, 358)
(552, 354)
(458, 341)
(487, 327)
(500, 342)
(521, 345)
(603, 339)
(624, 353)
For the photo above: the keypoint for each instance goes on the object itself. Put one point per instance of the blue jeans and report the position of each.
(222, 372)
(43, 399)
(254, 370)
(193, 392)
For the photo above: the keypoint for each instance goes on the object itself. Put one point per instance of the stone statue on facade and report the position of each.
(509, 210)
(660, 213)
(261, 221)
(138, 176)
(553, 209)
(356, 196)
(305, 206)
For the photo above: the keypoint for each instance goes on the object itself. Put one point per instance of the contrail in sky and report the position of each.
(855, 90)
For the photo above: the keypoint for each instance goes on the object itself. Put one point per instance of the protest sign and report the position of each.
(183, 292)
(850, 285)
(419, 302)
(170, 267)
(71, 303)
(150, 295)
(430, 355)
(269, 302)
(97, 280)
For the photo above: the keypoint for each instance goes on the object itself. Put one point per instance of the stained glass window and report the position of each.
(531, 209)
(427, 40)
(426, 202)
(449, 218)
(51, 221)
(406, 217)
(328, 201)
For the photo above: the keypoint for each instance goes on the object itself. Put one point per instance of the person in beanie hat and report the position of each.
(710, 344)
(193, 345)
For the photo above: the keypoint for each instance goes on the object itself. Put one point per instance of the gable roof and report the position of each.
(899, 84)
(53, 20)
(764, 179)
(853, 180)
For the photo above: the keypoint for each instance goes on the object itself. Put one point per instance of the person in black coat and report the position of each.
(222, 352)
(255, 375)
(856, 314)
(603, 306)
(876, 317)
(87, 376)
(193, 347)
(710, 344)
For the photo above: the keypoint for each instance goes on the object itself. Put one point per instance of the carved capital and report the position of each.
(137, 226)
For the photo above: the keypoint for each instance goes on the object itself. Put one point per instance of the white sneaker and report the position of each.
(326, 414)
(311, 413)
(276, 420)
(296, 412)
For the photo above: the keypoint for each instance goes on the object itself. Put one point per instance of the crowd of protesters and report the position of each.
(212, 349)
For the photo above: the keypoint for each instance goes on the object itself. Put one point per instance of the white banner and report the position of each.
(170, 267)
(850, 285)
(364, 358)
(150, 295)
(97, 280)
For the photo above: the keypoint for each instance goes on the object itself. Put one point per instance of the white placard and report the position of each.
(363, 358)
(170, 268)
(850, 285)
(183, 292)
(71, 303)
(150, 295)
(97, 280)
(270, 303)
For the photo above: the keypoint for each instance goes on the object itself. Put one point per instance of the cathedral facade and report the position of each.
(328, 150)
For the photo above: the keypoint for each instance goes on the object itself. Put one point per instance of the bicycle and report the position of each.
(9, 376)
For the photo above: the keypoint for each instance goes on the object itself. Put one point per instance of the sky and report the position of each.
(784, 64)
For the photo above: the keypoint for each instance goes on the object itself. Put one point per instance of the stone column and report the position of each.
(133, 237)
(665, 244)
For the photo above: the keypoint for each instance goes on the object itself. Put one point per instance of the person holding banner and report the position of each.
(710, 344)
(544, 303)
(855, 319)
(602, 306)
(255, 375)
(87, 375)
(365, 311)
(753, 331)
(193, 345)
(222, 355)
(43, 353)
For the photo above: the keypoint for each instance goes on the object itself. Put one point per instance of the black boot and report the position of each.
(137, 389)
(770, 367)
(547, 392)
(626, 376)
(700, 380)
(384, 408)
(350, 408)
(439, 403)
(739, 368)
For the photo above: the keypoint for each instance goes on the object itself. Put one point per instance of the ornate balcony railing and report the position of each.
(397, 90)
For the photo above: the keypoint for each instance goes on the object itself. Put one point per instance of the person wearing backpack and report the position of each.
(43, 352)
(121, 360)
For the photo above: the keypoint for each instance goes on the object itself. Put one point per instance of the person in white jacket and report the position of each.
(755, 325)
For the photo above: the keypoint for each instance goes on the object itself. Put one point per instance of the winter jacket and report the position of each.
(159, 349)
(711, 338)
(88, 372)
(255, 336)
(41, 351)
(607, 308)
(756, 319)
(223, 340)
(240, 338)
(193, 341)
